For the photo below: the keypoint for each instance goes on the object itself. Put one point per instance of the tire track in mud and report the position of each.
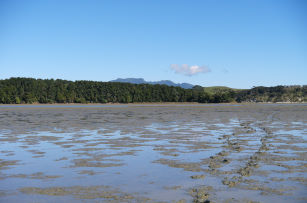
(220, 159)
(217, 161)
(254, 159)
(234, 144)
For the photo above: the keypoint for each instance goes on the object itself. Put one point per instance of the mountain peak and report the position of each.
(161, 82)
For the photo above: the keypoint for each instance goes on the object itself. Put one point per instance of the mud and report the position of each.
(201, 194)
(91, 192)
(153, 153)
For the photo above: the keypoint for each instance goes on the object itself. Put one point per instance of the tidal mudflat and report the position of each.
(153, 153)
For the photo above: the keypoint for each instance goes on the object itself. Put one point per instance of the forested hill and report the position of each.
(29, 90)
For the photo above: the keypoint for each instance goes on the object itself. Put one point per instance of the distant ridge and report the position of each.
(161, 82)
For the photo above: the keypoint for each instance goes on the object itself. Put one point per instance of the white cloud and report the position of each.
(185, 69)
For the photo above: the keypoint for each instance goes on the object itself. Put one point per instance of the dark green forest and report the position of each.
(29, 90)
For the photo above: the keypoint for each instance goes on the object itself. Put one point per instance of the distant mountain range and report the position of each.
(161, 82)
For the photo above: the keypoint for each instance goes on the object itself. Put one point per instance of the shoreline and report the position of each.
(151, 104)
(116, 103)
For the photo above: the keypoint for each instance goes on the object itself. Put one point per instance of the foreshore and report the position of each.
(135, 153)
(149, 103)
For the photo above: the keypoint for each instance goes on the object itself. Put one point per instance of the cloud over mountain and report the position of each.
(185, 69)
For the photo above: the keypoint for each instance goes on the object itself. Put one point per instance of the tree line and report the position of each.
(294, 93)
(29, 90)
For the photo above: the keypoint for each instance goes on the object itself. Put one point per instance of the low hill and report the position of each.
(216, 89)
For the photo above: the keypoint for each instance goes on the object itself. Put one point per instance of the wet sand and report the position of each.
(153, 153)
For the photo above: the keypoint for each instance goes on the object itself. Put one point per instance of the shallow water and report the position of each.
(150, 153)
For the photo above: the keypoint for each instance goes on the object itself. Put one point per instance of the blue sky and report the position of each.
(208, 42)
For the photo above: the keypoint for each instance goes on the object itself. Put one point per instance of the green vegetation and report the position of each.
(221, 93)
(29, 90)
(293, 93)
